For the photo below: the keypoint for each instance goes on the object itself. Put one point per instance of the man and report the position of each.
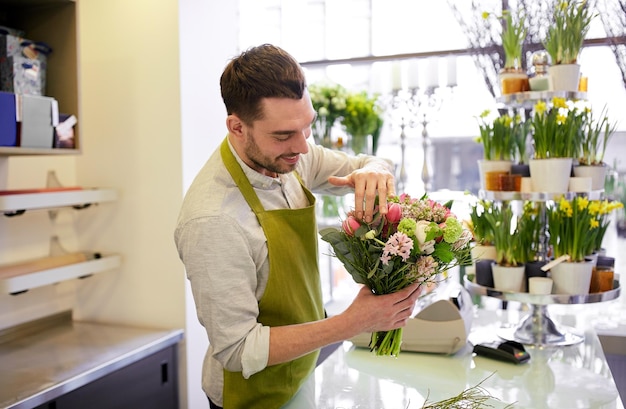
(248, 238)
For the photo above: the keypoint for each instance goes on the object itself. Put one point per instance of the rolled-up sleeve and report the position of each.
(222, 268)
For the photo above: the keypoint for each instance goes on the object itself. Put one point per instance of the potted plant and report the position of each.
(513, 77)
(574, 226)
(362, 120)
(483, 250)
(596, 133)
(498, 138)
(482, 232)
(556, 136)
(564, 41)
(508, 268)
(533, 248)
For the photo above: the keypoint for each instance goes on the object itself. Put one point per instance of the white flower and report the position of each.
(428, 247)
(421, 228)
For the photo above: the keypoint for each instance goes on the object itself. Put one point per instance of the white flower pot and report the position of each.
(482, 252)
(550, 175)
(508, 278)
(572, 278)
(596, 173)
(564, 77)
(579, 184)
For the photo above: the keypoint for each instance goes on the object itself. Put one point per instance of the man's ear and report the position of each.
(235, 125)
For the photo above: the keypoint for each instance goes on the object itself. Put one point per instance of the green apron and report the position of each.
(293, 295)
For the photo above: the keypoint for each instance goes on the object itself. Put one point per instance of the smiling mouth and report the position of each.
(291, 159)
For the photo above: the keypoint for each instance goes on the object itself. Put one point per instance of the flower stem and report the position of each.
(386, 343)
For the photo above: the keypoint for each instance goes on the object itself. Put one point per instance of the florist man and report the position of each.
(247, 236)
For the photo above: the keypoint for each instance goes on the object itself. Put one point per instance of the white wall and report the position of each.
(208, 39)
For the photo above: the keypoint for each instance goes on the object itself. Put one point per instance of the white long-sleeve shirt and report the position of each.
(225, 253)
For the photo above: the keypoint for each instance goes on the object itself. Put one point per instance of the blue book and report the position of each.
(8, 123)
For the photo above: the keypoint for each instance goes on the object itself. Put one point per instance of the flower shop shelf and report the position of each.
(538, 328)
(18, 278)
(529, 98)
(537, 196)
(14, 203)
(20, 151)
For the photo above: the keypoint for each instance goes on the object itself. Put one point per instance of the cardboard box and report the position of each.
(38, 115)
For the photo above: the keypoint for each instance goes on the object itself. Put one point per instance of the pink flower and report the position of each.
(398, 245)
(394, 212)
(350, 225)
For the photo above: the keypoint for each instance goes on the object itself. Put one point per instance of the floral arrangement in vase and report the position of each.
(329, 101)
(417, 241)
(363, 118)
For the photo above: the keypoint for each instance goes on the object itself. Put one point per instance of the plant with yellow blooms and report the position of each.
(576, 226)
(557, 129)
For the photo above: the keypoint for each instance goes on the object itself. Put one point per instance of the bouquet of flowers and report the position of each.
(416, 241)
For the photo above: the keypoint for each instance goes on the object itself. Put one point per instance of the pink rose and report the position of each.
(394, 213)
(350, 225)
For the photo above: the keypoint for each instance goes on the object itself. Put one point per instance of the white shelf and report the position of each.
(528, 99)
(24, 282)
(20, 151)
(18, 203)
(538, 196)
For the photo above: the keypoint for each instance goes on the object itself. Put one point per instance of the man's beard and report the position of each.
(254, 154)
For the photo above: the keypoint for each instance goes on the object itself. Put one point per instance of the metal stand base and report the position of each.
(538, 329)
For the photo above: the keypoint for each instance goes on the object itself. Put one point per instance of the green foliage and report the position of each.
(557, 129)
(363, 117)
(566, 36)
(481, 229)
(329, 101)
(512, 36)
(504, 137)
(596, 134)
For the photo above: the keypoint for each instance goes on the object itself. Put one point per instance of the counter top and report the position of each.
(575, 376)
(38, 366)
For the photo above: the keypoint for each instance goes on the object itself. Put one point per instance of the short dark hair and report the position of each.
(265, 71)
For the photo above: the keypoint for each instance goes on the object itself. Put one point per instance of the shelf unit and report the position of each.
(537, 328)
(527, 100)
(24, 282)
(54, 22)
(14, 204)
(19, 203)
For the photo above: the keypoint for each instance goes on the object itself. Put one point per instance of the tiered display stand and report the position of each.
(538, 328)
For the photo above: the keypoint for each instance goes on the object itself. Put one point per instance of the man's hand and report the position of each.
(383, 312)
(368, 182)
